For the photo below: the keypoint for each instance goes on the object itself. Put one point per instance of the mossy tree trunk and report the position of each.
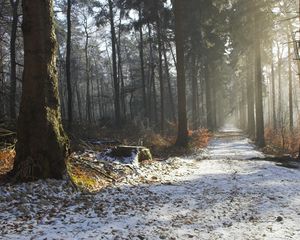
(42, 144)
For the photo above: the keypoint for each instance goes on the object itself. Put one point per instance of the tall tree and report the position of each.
(68, 64)
(182, 137)
(291, 113)
(260, 139)
(42, 144)
(13, 64)
(114, 63)
(250, 97)
(142, 60)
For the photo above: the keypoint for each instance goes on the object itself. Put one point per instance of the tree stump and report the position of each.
(127, 154)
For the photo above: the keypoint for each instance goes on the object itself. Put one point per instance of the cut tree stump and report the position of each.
(126, 154)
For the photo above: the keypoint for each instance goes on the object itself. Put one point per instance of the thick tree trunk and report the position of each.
(114, 61)
(182, 138)
(68, 66)
(13, 64)
(42, 144)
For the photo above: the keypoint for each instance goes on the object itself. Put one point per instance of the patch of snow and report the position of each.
(131, 160)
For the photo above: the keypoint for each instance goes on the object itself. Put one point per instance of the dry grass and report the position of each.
(85, 178)
(161, 147)
(282, 142)
(200, 138)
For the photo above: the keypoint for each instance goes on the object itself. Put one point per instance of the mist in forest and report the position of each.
(160, 66)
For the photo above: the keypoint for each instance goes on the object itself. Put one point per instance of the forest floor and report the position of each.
(221, 193)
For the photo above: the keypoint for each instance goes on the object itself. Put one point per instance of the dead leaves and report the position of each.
(6, 160)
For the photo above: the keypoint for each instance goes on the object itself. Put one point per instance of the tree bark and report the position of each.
(13, 64)
(182, 137)
(194, 87)
(2, 90)
(42, 144)
(68, 65)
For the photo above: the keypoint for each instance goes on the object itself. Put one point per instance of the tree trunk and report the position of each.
(182, 138)
(161, 81)
(291, 113)
(260, 139)
(13, 65)
(194, 87)
(115, 71)
(87, 76)
(142, 63)
(273, 97)
(250, 99)
(152, 79)
(2, 90)
(279, 58)
(78, 102)
(208, 101)
(120, 71)
(42, 144)
(68, 66)
(169, 84)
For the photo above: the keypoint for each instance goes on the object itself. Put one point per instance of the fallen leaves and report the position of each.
(6, 160)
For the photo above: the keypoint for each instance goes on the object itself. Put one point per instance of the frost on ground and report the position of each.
(226, 196)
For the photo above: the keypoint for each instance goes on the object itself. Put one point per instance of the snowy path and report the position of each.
(223, 197)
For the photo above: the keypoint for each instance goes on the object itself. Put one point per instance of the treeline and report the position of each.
(117, 63)
(121, 64)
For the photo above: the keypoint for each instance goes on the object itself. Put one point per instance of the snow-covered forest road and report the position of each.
(219, 194)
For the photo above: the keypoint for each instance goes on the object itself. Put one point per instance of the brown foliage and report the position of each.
(6, 160)
(282, 142)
